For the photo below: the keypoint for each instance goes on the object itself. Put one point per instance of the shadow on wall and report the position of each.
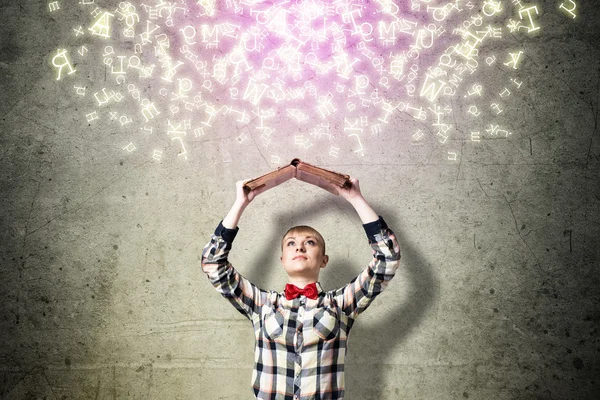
(370, 345)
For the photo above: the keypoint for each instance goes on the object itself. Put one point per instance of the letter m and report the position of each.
(208, 33)
(408, 27)
(385, 31)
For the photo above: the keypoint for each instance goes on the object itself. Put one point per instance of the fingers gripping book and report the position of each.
(303, 171)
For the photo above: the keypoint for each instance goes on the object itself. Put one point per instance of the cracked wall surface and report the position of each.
(102, 295)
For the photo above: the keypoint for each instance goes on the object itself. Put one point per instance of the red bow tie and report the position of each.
(293, 291)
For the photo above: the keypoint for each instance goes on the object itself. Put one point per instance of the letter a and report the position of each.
(102, 25)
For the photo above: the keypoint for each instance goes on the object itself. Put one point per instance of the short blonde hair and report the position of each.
(305, 230)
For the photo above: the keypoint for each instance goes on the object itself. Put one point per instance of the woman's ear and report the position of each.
(325, 261)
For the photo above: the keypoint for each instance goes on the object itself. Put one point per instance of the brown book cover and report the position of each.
(303, 171)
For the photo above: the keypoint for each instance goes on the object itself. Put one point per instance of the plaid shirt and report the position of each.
(301, 343)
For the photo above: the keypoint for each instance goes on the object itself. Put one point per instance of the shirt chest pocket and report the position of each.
(326, 324)
(273, 323)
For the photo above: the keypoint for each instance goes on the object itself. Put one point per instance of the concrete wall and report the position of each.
(102, 294)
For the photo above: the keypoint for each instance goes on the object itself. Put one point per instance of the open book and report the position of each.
(303, 171)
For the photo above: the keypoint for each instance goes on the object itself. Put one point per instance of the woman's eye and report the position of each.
(290, 243)
(311, 242)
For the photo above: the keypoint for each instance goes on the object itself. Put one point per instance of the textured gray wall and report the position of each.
(102, 294)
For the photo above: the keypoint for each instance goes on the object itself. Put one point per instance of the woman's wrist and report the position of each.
(357, 200)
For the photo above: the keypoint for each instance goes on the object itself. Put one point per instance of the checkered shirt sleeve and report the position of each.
(245, 296)
(356, 296)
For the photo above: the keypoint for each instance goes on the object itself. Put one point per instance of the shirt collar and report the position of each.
(319, 288)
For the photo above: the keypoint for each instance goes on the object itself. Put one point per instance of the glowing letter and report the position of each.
(407, 27)
(468, 49)
(491, 7)
(91, 116)
(189, 37)
(432, 91)
(325, 106)
(60, 60)
(514, 59)
(476, 90)
(569, 10)
(397, 66)
(129, 147)
(183, 151)
(496, 107)
(518, 84)
(505, 93)
(237, 57)
(341, 63)
(102, 25)
(149, 110)
(299, 140)
(473, 110)
(494, 130)
(208, 5)
(455, 80)
(384, 31)
(171, 129)
(490, 60)
(254, 92)
(146, 35)
(199, 132)
(107, 96)
(170, 69)
(527, 11)
(124, 120)
(210, 110)
(360, 150)
(240, 139)
(54, 6)
(388, 108)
